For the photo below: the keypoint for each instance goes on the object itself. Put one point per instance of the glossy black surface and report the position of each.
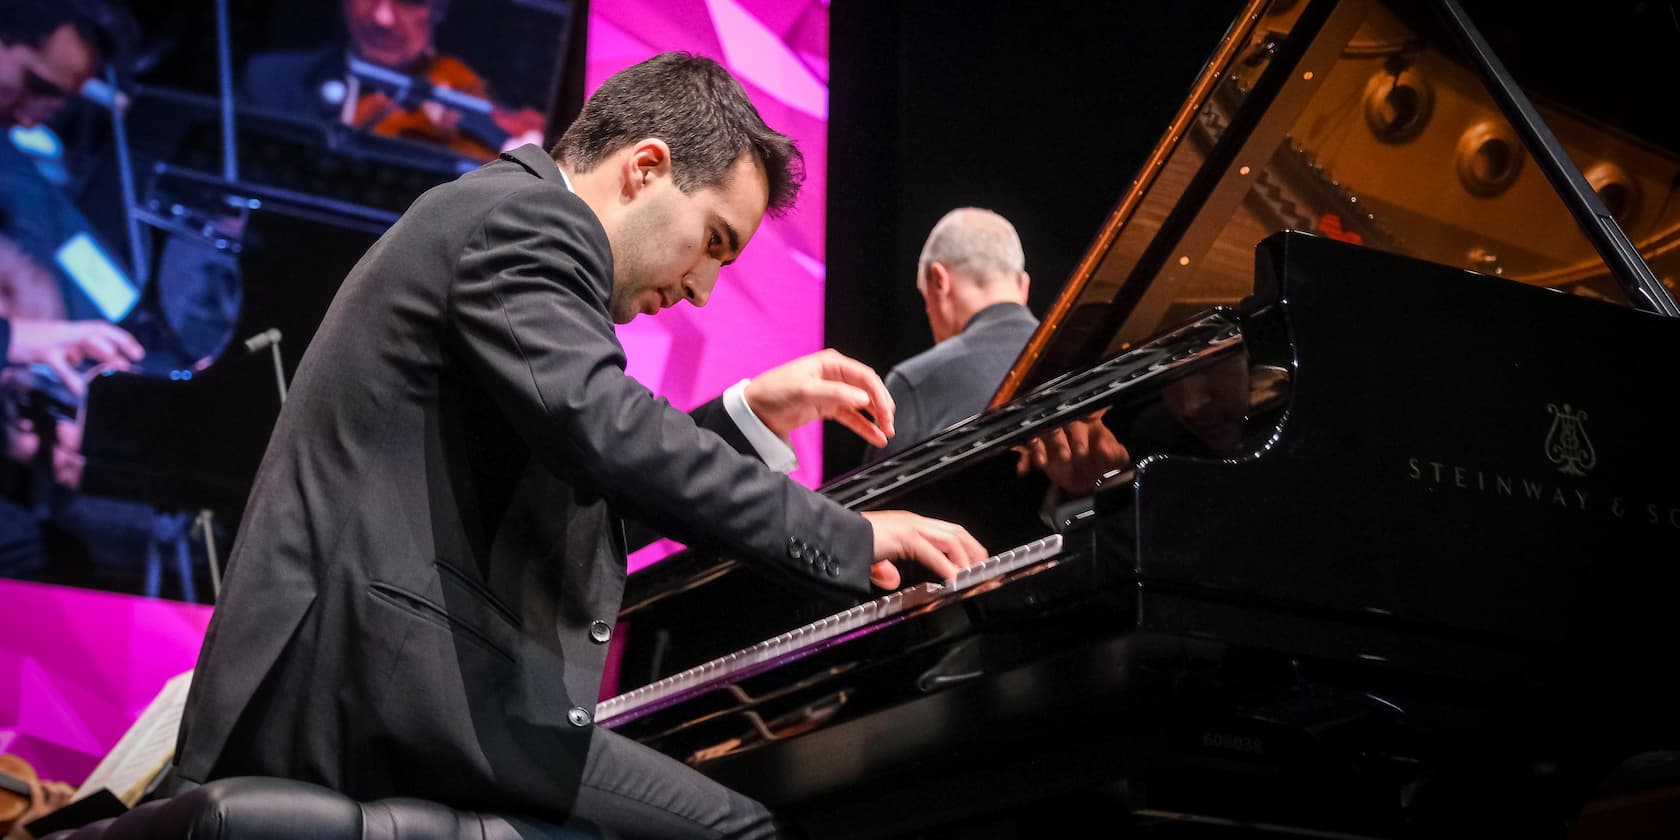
(1421, 480)
(1254, 620)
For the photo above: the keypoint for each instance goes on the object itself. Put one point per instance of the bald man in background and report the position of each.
(972, 277)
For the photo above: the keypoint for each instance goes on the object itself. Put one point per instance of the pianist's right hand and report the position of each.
(942, 547)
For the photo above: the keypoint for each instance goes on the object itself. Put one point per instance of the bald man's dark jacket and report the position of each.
(954, 379)
(431, 562)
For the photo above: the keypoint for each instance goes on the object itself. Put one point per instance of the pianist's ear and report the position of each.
(645, 162)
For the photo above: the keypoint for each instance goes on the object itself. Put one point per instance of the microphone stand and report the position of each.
(224, 67)
(205, 526)
(205, 523)
(139, 243)
(270, 339)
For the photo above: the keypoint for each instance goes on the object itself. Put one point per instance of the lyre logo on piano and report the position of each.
(1567, 444)
(1571, 451)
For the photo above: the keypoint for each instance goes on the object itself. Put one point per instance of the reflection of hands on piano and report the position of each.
(941, 548)
(823, 385)
(1074, 456)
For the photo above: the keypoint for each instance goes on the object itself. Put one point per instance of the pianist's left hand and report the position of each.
(823, 385)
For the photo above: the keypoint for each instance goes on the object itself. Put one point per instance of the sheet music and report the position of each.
(145, 749)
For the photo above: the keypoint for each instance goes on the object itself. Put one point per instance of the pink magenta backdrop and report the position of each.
(768, 306)
(77, 667)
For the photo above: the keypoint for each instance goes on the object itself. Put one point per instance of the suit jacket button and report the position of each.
(600, 631)
(796, 551)
(578, 715)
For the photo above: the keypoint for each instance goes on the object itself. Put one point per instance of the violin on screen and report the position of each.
(446, 104)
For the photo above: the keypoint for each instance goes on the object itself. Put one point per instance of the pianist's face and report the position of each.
(392, 33)
(670, 245)
(36, 79)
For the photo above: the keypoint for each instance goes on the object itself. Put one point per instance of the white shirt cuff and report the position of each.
(777, 454)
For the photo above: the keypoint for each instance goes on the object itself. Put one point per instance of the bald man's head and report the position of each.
(972, 259)
(975, 243)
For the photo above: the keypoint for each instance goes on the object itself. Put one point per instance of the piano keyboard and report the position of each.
(803, 641)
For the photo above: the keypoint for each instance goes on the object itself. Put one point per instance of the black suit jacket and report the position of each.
(954, 379)
(431, 561)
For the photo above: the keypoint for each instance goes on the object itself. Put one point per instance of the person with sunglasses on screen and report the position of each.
(48, 50)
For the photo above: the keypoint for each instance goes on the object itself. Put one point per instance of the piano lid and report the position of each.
(1369, 122)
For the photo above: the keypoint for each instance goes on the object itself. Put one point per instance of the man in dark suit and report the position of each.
(973, 279)
(432, 560)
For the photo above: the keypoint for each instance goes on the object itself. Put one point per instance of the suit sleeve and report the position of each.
(712, 416)
(530, 311)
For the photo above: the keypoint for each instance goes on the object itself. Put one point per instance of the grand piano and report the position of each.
(1394, 552)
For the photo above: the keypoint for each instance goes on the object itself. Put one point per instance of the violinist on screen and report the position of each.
(394, 35)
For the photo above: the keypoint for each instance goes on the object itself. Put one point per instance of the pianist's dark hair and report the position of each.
(106, 26)
(699, 110)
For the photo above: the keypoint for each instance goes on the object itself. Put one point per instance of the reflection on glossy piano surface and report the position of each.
(1395, 551)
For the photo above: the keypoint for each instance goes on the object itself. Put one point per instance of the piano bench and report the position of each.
(266, 808)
